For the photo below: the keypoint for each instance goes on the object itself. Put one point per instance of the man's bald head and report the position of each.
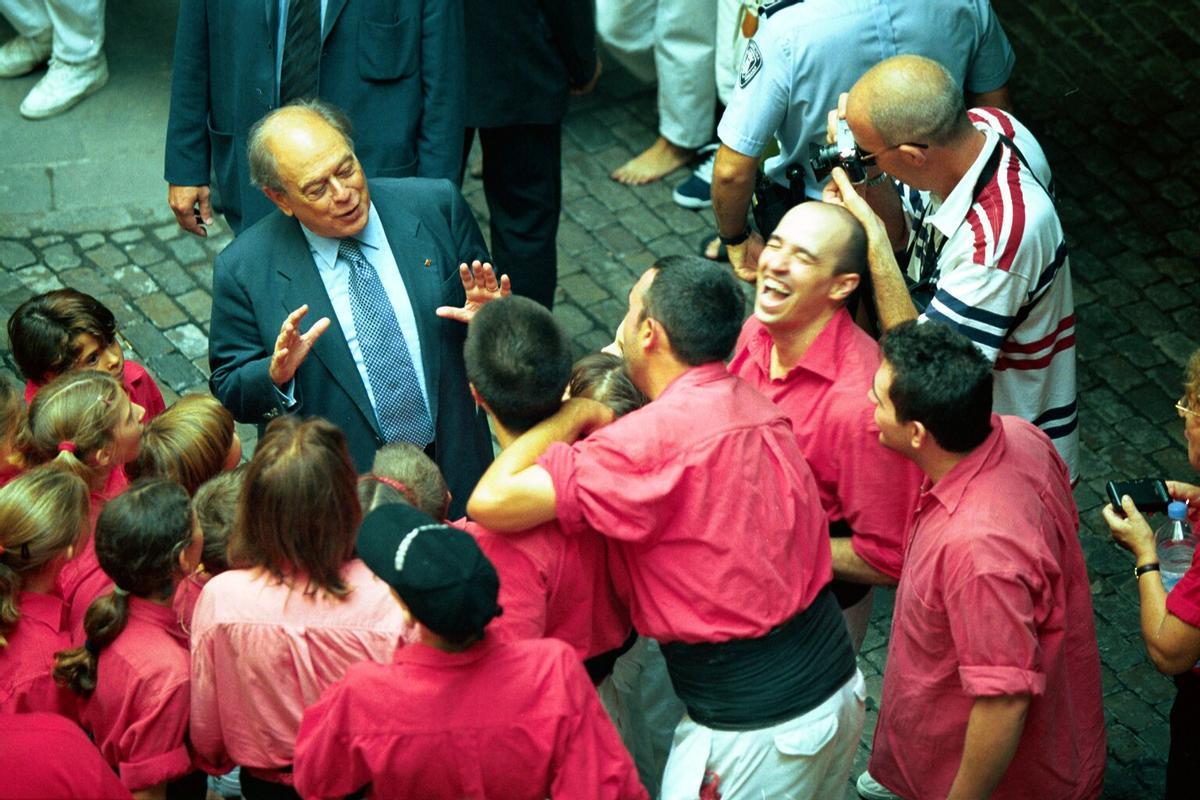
(910, 98)
(843, 241)
(297, 121)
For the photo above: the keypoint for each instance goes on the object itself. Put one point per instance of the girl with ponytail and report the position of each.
(84, 423)
(132, 673)
(43, 515)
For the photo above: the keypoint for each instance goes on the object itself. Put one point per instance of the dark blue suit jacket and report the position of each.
(268, 272)
(394, 66)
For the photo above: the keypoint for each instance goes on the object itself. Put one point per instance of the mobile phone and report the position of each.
(1149, 494)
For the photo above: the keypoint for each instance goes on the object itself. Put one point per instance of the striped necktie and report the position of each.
(399, 403)
(300, 70)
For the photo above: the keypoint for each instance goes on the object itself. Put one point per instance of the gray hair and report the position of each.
(264, 172)
(915, 99)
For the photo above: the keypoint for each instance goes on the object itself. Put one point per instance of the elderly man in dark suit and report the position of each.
(394, 66)
(374, 261)
(516, 98)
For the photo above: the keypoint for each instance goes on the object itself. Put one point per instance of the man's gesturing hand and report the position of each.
(192, 207)
(481, 287)
(291, 347)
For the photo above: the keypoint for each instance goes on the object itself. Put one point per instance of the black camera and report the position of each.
(843, 153)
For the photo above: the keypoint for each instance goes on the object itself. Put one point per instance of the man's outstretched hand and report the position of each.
(481, 287)
(291, 346)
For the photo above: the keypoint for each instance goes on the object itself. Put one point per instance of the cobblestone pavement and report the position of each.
(1110, 88)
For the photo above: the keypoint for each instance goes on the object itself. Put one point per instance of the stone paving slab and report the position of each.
(1110, 89)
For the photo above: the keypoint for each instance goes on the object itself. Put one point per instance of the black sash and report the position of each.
(747, 684)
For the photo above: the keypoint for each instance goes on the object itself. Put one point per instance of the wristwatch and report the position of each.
(1144, 568)
(734, 241)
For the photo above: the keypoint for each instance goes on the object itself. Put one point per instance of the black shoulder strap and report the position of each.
(767, 9)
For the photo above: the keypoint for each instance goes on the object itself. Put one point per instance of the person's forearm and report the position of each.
(850, 566)
(892, 300)
(500, 498)
(732, 187)
(885, 201)
(997, 98)
(993, 733)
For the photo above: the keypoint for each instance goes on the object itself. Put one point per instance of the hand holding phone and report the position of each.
(1149, 495)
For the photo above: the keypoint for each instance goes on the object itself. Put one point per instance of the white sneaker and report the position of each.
(871, 789)
(63, 86)
(22, 55)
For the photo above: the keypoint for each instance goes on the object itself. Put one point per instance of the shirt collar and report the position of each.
(950, 489)
(46, 609)
(821, 357)
(418, 653)
(696, 376)
(159, 616)
(325, 249)
(953, 210)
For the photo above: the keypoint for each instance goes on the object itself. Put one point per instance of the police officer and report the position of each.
(805, 53)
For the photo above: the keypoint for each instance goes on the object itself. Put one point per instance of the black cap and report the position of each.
(439, 572)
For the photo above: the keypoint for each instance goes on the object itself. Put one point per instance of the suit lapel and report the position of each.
(304, 285)
(411, 248)
(332, 10)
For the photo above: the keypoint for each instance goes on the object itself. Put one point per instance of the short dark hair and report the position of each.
(519, 360)
(942, 380)
(852, 259)
(41, 332)
(298, 511)
(700, 306)
(602, 377)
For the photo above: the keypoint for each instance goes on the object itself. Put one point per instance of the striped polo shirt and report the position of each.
(1004, 279)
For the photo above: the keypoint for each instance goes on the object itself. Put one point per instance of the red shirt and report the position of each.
(513, 720)
(713, 509)
(138, 384)
(826, 396)
(1184, 600)
(27, 660)
(82, 580)
(994, 600)
(554, 586)
(185, 597)
(138, 713)
(74, 772)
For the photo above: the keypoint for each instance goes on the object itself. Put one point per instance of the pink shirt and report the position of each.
(994, 600)
(138, 384)
(262, 652)
(512, 720)
(187, 593)
(138, 713)
(826, 397)
(27, 660)
(714, 511)
(555, 586)
(1184, 600)
(76, 771)
(82, 580)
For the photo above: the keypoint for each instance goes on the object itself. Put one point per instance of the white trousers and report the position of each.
(644, 708)
(674, 40)
(806, 758)
(78, 25)
(731, 44)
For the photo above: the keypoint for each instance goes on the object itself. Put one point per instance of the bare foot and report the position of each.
(712, 250)
(659, 160)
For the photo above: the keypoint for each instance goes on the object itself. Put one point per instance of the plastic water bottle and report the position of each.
(1176, 544)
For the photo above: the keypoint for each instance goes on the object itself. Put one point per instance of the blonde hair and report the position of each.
(42, 513)
(1191, 380)
(72, 418)
(12, 421)
(188, 443)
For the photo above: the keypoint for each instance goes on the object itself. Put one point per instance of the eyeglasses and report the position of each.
(1182, 409)
(869, 158)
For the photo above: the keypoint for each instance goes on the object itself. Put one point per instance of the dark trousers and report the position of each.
(1185, 738)
(257, 789)
(522, 180)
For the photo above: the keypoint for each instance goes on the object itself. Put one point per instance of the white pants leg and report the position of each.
(644, 708)
(806, 758)
(626, 27)
(78, 25)
(28, 17)
(685, 34)
(729, 32)
(78, 29)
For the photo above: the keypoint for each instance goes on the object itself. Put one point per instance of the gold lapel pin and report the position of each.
(428, 262)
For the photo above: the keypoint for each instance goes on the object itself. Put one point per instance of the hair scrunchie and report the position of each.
(66, 446)
(119, 592)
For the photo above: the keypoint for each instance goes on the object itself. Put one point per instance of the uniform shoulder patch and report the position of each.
(751, 63)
